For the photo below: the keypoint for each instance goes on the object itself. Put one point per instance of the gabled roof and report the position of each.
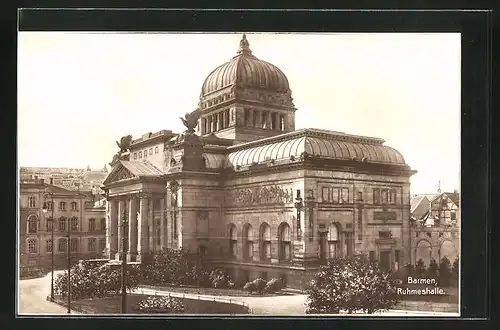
(419, 206)
(415, 201)
(125, 169)
(455, 197)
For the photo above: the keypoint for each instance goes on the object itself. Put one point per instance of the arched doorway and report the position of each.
(424, 252)
(448, 250)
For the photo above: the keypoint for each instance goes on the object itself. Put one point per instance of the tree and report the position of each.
(444, 272)
(454, 271)
(420, 267)
(351, 284)
(433, 268)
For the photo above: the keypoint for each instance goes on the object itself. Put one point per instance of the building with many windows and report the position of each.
(43, 207)
(435, 226)
(253, 194)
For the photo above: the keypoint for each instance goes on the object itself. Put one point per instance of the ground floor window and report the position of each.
(92, 244)
(74, 244)
(32, 245)
(48, 245)
(61, 245)
(266, 250)
(102, 244)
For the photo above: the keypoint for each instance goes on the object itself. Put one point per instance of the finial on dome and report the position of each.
(244, 45)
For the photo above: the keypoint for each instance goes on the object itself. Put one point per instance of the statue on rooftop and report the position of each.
(124, 143)
(190, 121)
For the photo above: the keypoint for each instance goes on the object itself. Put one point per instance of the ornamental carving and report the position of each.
(260, 196)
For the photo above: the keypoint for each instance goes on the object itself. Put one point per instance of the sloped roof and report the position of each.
(141, 168)
(455, 197)
(414, 201)
(419, 206)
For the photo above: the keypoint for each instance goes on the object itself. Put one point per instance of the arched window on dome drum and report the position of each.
(265, 239)
(284, 242)
(248, 242)
(333, 241)
(282, 123)
(233, 240)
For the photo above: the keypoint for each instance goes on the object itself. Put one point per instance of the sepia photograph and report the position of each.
(243, 174)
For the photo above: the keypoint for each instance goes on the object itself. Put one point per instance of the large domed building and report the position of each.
(250, 192)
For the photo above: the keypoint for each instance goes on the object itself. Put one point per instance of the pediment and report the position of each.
(119, 173)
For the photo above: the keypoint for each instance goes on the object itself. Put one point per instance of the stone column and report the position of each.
(220, 120)
(258, 115)
(109, 229)
(162, 223)
(121, 208)
(203, 126)
(209, 124)
(152, 225)
(269, 120)
(142, 229)
(277, 121)
(132, 229)
(214, 123)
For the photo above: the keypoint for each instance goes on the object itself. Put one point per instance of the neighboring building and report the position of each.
(435, 229)
(68, 208)
(78, 179)
(255, 196)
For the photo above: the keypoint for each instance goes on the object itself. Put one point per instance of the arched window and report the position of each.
(285, 246)
(333, 241)
(103, 223)
(32, 224)
(247, 242)
(62, 224)
(233, 241)
(32, 202)
(32, 246)
(265, 239)
(62, 245)
(91, 224)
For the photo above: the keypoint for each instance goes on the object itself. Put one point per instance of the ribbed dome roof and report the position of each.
(246, 70)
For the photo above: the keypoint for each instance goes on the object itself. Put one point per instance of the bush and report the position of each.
(160, 304)
(432, 269)
(250, 287)
(274, 285)
(454, 272)
(445, 272)
(260, 285)
(420, 267)
(220, 279)
(90, 280)
(31, 272)
(350, 284)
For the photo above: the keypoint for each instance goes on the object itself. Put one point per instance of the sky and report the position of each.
(78, 93)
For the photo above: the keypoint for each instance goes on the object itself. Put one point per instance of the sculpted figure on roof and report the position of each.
(190, 121)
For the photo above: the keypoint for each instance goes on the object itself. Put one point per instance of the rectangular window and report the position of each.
(146, 153)
(140, 154)
(384, 234)
(74, 224)
(376, 196)
(62, 224)
(453, 215)
(92, 244)
(335, 195)
(32, 202)
(49, 206)
(344, 198)
(49, 224)
(326, 194)
(103, 224)
(359, 196)
(150, 151)
(74, 244)
(32, 225)
(385, 196)
(157, 150)
(48, 245)
(32, 246)
(62, 247)
(91, 224)
(102, 244)
(74, 206)
(393, 196)
(135, 155)
(62, 206)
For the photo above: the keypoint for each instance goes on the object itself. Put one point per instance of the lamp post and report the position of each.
(45, 209)
(298, 206)
(310, 204)
(174, 188)
(124, 262)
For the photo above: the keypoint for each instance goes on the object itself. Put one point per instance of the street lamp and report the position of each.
(124, 261)
(69, 265)
(45, 209)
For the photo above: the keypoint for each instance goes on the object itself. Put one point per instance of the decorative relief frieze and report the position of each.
(260, 196)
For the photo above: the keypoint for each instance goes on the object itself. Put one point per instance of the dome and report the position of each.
(248, 71)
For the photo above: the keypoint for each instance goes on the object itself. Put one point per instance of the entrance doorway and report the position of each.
(385, 260)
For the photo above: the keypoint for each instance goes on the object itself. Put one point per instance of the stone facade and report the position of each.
(259, 199)
(69, 207)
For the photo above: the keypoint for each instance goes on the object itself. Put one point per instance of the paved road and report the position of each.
(32, 298)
